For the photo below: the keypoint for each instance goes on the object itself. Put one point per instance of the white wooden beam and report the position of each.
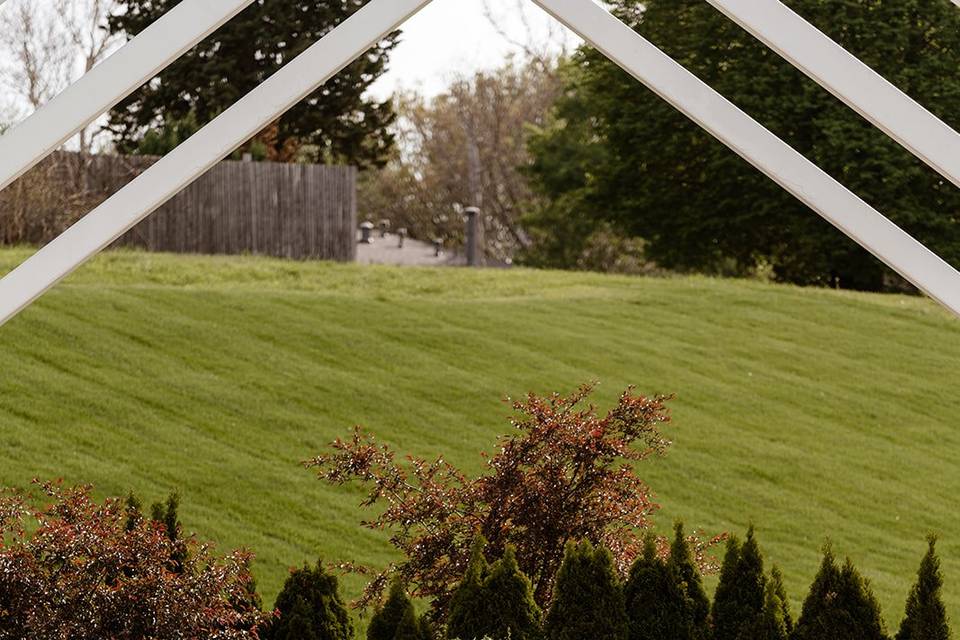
(111, 81)
(351, 39)
(842, 74)
(761, 148)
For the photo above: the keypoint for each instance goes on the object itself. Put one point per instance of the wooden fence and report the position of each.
(283, 210)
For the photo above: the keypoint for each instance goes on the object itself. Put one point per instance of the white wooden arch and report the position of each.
(769, 20)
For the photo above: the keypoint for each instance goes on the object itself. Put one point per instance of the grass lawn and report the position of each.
(814, 414)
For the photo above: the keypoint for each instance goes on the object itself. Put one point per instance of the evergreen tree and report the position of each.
(510, 610)
(776, 584)
(657, 602)
(654, 174)
(681, 558)
(740, 595)
(588, 600)
(770, 624)
(840, 606)
(335, 123)
(724, 598)
(167, 514)
(396, 615)
(466, 618)
(133, 508)
(310, 607)
(926, 617)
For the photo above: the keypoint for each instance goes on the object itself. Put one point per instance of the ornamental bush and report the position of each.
(739, 598)
(926, 617)
(840, 606)
(466, 616)
(683, 561)
(76, 568)
(589, 600)
(656, 599)
(494, 602)
(396, 619)
(310, 608)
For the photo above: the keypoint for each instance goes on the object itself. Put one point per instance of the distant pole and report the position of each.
(473, 236)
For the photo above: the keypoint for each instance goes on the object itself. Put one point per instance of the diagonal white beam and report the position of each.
(842, 74)
(111, 81)
(351, 39)
(761, 148)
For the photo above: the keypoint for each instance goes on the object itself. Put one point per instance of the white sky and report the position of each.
(454, 36)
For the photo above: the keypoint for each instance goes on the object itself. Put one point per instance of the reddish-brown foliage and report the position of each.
(565, 474)
(79, 569)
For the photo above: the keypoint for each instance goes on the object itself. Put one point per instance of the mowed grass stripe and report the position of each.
(815, 414)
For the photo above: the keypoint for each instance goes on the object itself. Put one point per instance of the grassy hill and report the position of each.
(815, 414)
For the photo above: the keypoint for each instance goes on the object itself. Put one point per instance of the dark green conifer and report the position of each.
(466, 618)
(511, 612)
(770, 624)
(388, 619)
(310, 607)
(776, 583)
(840, 606)
(739, 598)
(409, 627)
(167, 514)
(588, 600)
(926, 617)
(681, 558)
(656, 599)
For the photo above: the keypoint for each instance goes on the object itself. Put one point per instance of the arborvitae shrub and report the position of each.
(409, 627)
(656, 599)
(771, 624)
(840, 606)
(511, 612)
(310, 607)
(494, 602)
(926, 617)
(392, 617)
(466, 618)
(738, 601)
(588, 600)
(681, 558)
(776, 584)
(167, 514)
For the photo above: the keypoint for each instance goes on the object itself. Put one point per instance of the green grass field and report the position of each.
(814, 414)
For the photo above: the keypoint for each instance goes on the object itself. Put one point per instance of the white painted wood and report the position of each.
(842, 74)
(761, 148)
(191, 159)
(110, 82)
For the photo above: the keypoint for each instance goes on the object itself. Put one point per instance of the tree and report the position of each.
(75, 568)
(466, 147)
(564, 474)
(51, 45)
(589, 601)
(685, 567)
(167, 514)
(310, 607)
(466, 617)
(840, 606)
(701, 207)
(926, 617)
(510, 612)
(739, 598)
(771, 623)
(336, 123)
(778, 596)
(656, 597)
(396, 618)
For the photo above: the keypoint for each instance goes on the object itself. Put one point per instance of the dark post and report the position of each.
(473, 236)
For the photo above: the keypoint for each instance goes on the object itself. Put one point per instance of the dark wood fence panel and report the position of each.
(282, 210)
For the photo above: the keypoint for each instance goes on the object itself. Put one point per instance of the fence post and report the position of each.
(473, 236)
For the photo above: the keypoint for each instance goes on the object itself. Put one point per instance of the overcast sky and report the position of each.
(455, 36)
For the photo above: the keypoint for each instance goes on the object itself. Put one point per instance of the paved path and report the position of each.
(414, 253)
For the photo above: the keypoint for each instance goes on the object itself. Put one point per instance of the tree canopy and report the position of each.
(656, 175)
(334, 123)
